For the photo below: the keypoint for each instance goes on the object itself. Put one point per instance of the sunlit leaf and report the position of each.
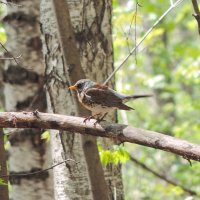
(45, 136)
(2, 182)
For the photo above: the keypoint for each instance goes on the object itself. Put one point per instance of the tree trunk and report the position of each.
(92, 24)
(23, 90)
(1, 87)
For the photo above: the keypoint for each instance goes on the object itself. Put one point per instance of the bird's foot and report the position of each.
(100, 119)
(88, 118)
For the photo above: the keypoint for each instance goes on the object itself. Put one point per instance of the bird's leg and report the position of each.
(89, 118)
(100, 119)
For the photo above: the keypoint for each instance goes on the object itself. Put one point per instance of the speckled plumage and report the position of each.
(100, 99)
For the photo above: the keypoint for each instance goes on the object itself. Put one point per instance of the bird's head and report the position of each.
(81, 85)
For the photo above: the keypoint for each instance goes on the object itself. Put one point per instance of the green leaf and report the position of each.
(2, 182)
(106, 157)
(46, 136)
(115, 156)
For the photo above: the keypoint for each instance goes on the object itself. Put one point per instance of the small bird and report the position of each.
(100, 99)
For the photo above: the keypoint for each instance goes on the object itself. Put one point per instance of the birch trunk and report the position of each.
(23, 90)
(92, 24)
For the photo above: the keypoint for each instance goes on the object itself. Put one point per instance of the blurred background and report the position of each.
(167, 64)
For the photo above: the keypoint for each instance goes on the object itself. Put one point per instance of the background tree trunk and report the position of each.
(92, 24)
(1, 87)
(24, 91)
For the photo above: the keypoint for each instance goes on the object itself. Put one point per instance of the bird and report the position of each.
(100, 99)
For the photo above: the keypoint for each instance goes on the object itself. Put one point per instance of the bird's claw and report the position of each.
(98, 120)
(88, 119)
(101, 119)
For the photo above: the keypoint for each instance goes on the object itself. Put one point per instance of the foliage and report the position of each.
(45, 136)
(2, 182)
(2, 30)
(167, 64)
(116, 155)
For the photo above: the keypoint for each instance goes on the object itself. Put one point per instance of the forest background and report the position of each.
(167, 64)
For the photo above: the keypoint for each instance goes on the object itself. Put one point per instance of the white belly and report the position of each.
(96, 109)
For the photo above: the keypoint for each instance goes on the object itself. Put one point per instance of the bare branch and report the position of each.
(123, 133)
(39, 171)
(10, 3)
(196, 13)
(12, 57)
(161, 176)
(174, 5)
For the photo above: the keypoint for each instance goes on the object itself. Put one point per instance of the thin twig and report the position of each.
(196, 13)
(39, 171)
(143, 38)
(10, 3)
(135, 26)
(129, 31)
(14, 58)
(161, 176)
(11, 58)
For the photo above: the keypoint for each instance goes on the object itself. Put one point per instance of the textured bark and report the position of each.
(92, 24)
(122, 133)
(72, 58)
(1, 87)
(69, 182)
(23, 90)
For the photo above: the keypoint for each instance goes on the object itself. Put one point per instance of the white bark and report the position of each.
(69, 183)
(92, 25)
(22, 90)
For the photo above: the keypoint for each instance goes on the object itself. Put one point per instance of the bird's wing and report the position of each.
(106, 97)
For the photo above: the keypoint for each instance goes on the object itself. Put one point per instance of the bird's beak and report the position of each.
(73, 87)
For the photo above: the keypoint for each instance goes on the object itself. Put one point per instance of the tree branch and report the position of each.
(196, 13)
(10, 3)
(10, 54)
(163, 177)
(37, 171)
(123, 133)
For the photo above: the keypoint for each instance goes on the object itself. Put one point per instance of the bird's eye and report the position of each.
(79, 86)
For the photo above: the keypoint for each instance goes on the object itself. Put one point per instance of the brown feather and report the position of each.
(105, 97)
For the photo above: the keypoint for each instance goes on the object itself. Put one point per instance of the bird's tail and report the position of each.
(136, 96)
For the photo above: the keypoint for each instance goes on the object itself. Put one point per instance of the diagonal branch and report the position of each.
(9, 3)
(163, 177)
(196, 13)
(143, 38)
(123, 133)
(10, 54)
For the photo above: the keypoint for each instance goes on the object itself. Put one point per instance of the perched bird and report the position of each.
(100, 99)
